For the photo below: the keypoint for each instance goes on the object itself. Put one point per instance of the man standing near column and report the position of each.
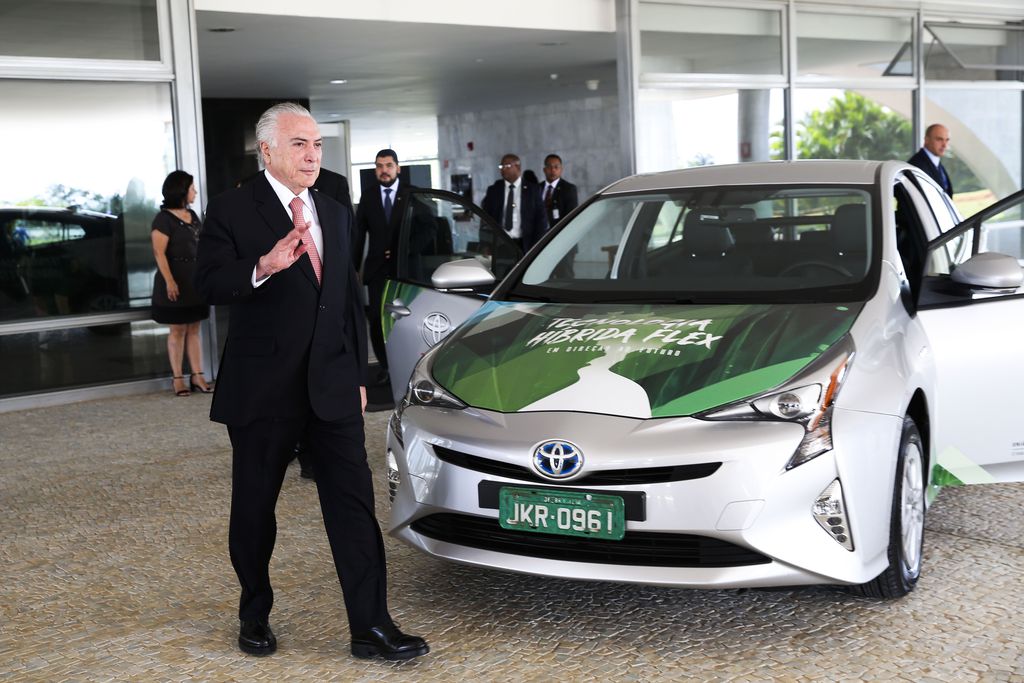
(294, 368)
(516, 204)
(929, 157)
(377, 221)
(559, 195)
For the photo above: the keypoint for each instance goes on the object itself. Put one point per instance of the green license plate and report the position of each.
(568, 513)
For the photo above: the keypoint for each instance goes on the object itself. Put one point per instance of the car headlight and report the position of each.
(808, 398)
(424, 391)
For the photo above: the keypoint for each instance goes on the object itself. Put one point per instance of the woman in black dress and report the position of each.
(175, 235)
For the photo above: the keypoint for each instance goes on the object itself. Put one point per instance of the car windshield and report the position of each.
(711, 244)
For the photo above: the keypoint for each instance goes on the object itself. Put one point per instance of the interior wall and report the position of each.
(229, 127)
(584, 132)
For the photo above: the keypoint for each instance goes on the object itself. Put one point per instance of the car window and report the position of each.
(790, 243)
(667, 226)
(34, 232)
(437, 229)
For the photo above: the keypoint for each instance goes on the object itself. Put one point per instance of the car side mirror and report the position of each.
(464, 275)
(989, 270)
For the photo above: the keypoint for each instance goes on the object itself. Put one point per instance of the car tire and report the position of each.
(906, 526)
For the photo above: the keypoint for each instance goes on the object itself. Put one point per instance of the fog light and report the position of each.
(394, 478)
(829, 512)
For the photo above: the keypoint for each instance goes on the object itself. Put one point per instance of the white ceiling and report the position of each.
(397, 70)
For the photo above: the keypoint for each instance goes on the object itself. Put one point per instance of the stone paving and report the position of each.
(113, 567)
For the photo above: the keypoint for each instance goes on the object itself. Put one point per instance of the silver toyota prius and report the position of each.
(727, 376)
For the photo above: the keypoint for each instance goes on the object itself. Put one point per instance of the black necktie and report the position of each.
(387, 204)
(547, 196)
(509, 206)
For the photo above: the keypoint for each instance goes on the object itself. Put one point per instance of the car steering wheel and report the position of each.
(823, 265)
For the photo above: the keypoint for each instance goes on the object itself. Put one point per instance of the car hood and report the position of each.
(638, 361)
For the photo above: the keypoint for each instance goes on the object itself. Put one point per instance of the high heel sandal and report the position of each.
(179, 392)
(195, 387)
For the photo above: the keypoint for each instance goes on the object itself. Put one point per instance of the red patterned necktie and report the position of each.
(300, 222)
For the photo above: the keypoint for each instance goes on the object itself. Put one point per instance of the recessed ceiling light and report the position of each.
(339, 81)
(554, 77)
(222, 29)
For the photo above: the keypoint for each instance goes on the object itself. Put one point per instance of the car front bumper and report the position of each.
(747, 524)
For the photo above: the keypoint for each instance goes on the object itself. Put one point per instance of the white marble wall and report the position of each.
(584, 132)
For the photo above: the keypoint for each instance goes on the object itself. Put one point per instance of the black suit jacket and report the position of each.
(335, 186)
(564, 198)
(922, 161)
(532, 220)
(292, 345)
(382, 234)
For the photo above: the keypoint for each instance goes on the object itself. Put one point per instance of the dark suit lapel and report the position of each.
(269, 207)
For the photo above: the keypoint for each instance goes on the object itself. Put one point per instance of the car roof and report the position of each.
(817, 171)
(56, 211)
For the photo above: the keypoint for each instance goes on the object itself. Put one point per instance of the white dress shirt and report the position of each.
(544, 194)
(394, 193)
(308, 214)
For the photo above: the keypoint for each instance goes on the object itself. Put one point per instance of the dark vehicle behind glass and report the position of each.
(56, 261)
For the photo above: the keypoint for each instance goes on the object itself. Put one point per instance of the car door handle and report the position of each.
(397, 309)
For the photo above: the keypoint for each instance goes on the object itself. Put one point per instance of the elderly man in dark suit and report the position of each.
(558, 194)
(377, 221)
(929, 157)
(293, 367)
(516, 204)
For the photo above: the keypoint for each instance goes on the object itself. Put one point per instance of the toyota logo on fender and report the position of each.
(435, 327)
(557, 459)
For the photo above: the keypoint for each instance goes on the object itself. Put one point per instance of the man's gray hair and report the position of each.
(266, 127)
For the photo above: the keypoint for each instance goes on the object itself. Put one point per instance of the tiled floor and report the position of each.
(113, 566)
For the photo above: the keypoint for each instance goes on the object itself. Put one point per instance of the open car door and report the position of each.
(971, 304)
(437, 227)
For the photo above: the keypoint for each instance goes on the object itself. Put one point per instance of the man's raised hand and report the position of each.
(287, 251)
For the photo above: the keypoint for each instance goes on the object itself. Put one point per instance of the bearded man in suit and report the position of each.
(294, 367)
(377, 221)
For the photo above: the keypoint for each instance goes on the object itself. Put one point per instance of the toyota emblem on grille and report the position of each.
(435, 327)
(557, 459)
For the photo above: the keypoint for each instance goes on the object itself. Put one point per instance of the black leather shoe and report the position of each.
(256, 638)
(388, 642)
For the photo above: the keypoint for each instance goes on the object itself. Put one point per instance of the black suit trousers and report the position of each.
(375, 297)
(261, 452)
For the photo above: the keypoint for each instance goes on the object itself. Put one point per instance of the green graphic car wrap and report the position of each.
(632, 360)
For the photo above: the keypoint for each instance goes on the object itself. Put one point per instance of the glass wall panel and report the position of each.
(697, 127)
(853, 124)
(80, 29)
(709, 40)
(76, 208)
(854, 46)
(984, 156)
(972, 52)
(79, 357)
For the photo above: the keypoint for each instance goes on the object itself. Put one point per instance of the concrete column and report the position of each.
(754, 125)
